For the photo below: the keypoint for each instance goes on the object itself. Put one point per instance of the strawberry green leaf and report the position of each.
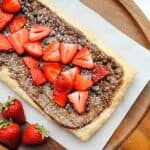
(42, 131)
(5, 123)
(10, 101)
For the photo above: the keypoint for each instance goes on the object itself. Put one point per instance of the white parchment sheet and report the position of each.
(133, 53)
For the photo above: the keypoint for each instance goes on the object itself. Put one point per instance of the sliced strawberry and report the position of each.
(17, 23)
(51, 71)
(5, 19)
(60, 99)
(99, 73)
(33, 48)
(81, 83)
(37, 76)
(17, 40)
(51, 53)
(30, 62)
(11, 6)
(79, 99)
(70, 75)
(61, 86)
(67, 52)
(38, 32)
(83, 59)
(5, 45)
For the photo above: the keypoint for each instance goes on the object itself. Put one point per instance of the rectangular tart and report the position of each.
(103, 97)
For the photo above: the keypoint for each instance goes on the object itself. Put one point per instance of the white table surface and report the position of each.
(133, 53)
(145, 6)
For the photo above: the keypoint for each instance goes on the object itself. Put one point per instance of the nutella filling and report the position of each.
(100, 95)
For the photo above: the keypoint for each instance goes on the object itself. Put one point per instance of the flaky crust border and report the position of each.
(129, 73)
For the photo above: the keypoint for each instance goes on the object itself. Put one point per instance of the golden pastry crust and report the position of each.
(128, 74)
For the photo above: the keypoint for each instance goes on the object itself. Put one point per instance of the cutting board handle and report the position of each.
(138, 16)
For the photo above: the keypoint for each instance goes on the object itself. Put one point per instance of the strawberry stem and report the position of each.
(5, 123)
(9, 102)
(42, 131)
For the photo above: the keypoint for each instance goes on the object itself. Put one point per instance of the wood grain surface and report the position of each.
(118, 16)
(132, 134)
(136, 123)
(138, 16)
(140, 138)
(138, 112)
(49, 144)
(133, 129)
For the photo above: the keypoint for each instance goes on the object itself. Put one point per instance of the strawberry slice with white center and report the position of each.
(5, 19)
(81, 83)
(37, 76)
(5, 45)
(33, 48)
(51, 71)
(30, 62)
(38, 32)
(62, 86)
(70, 75)
(17, 23)
(99, 72)
(17, 40)
(83, 59)
(67, 52)
(51, 53)
(11, 6)
(60, 99)
(79, 100)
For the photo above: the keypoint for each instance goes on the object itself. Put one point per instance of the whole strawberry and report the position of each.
(34, 134)
(13, 109)
(9, 133)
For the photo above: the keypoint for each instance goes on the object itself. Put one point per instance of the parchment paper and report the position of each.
(133, 53)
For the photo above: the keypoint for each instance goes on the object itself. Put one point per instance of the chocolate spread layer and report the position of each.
(100, 95)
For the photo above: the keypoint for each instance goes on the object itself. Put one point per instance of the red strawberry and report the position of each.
(38, 32)
(51, 71)
(11, 6)
(70, 75)
(13, 109)
(67, 52)
(83, 59)
(5, 19)
(33, 48)
(37, 76)
(17, 23)
(61, 86)
(34, 134)
(5, 46)
(60, 99)
(81, 83)
(9, 134)
(30, 62)
(17, 40)
(51, 53)
(99, 72)
(79, 99)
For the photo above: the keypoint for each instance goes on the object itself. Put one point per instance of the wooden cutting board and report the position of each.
(135, 126)
(129, 19)
(118, 16)
(49, 144)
